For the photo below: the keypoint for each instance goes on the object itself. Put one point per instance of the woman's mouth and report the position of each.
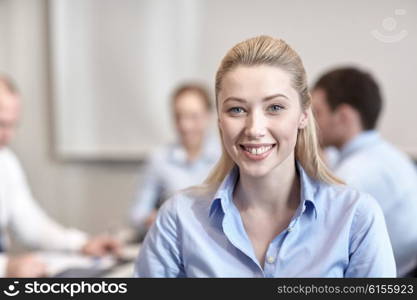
(257, 151)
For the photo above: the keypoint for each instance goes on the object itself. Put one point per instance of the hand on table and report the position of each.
(102, 245)
(27, 265)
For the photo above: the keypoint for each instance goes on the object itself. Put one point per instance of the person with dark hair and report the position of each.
(181, 164)
(347, 104)
(22, 216)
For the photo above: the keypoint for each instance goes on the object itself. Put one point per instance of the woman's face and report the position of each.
(192, 119)
(259, 118)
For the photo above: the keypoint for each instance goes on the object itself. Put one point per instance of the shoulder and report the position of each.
(8, 154)
(9, 159)
(371, 157)
(159, 157)
(364, 159)
(188, 201)
(161, 152)
(356, 213)
(380, 164)
(361, 169)
(11, 171)
(341, 199)
(192, 195)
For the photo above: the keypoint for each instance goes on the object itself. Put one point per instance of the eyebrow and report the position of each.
(264, 99)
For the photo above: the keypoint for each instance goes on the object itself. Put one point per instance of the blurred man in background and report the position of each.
(22, 216)
(182, 164)
(347, 103)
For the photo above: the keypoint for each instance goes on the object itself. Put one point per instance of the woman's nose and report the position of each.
(255, 125)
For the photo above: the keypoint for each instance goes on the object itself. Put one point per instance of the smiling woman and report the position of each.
(267, 208)
(268, 118)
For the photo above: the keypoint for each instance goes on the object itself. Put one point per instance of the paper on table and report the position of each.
(57, 262)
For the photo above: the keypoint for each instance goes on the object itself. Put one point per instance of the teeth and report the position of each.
(259, 150)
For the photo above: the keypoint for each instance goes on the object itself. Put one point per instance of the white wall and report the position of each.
(96, 195)
(115, 62)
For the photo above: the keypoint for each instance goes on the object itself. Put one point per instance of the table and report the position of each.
(62, 264)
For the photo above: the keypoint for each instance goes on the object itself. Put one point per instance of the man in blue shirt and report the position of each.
(347, 104)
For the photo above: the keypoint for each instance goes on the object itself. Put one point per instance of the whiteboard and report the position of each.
(115, 63)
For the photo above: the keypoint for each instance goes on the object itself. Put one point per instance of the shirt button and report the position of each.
(270, 259)
(290, 228)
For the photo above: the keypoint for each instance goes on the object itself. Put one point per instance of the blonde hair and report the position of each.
(265, 50)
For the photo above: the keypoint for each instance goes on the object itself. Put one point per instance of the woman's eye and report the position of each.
(275, 108)
(236, 110)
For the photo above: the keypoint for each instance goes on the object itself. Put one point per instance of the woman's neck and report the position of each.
(275, 192)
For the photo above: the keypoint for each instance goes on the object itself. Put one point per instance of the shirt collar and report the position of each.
(362, 140)
(308, 189)
(224, 194)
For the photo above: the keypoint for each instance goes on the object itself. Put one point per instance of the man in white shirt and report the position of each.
(347, 104)
(22, 216)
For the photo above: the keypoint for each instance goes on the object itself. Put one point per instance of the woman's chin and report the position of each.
(254, 171)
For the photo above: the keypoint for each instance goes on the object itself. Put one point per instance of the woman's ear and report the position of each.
(304, 118)
(348, 115)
